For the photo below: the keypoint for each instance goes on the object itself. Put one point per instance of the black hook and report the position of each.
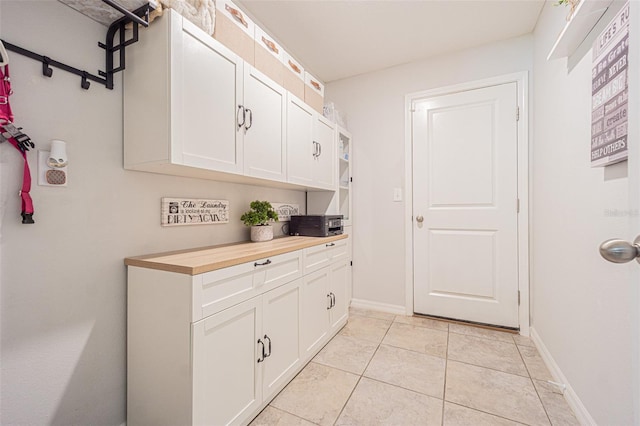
(85, 83)
(47, 71)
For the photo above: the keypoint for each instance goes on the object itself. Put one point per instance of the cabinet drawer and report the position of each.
(322, 255)
(277, 270)
(218, 290)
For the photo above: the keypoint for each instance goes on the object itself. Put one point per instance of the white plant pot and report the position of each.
(261, 233)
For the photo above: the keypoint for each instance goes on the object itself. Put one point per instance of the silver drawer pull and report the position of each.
(330, 245)
(267, 262)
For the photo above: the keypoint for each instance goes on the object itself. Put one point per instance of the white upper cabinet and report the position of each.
(205, 90)
(325, 158)
(300, 146)
(263, 126)
(310, 146)
(194, 108)
(181, 89)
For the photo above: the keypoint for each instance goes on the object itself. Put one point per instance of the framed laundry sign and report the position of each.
(189, 211)
(609, 92)
(285, 210)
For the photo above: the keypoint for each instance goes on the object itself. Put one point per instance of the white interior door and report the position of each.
(465, 178)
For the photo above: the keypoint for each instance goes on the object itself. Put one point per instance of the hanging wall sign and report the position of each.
(609, 91)
(285, 210)
(187, 211)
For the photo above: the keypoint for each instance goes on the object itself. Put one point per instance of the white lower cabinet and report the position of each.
(281, 336)
(338, 290)
(215, 348)
(224, 365)
(325, 306)
(315, 311)
(243, 354)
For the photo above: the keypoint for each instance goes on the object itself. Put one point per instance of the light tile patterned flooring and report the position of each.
(383, 369)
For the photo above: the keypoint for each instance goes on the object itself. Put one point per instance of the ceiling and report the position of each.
(339, 39)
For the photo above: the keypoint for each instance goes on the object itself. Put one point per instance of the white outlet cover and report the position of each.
(43, 167)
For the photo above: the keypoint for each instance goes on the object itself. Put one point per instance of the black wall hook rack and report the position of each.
(137, 17)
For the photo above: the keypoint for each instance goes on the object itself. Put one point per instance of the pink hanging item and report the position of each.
(12, 134)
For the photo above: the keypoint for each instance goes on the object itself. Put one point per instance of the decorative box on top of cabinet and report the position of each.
(215, 347)
(192, 107)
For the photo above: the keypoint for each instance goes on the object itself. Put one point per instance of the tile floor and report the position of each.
(383, 369)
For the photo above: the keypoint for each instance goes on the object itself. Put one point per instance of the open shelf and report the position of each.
(585, 17)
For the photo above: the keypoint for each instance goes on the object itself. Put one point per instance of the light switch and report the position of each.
(397, 194)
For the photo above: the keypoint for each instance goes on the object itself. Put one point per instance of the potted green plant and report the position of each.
(258, 218)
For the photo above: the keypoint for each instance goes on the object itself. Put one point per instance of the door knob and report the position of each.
(620, 251)
(420, 219)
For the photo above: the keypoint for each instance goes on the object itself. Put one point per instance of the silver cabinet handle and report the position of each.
(330, 301)
(266, 262)
(269, 339)
(620, 251)
(330, 245)
(420, 219)
(260, 342)
(240, 108)
(315, 149)
(247, 127)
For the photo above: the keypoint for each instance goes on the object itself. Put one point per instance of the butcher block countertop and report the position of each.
(206, 259)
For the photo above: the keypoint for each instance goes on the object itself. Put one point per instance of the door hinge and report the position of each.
(517, 113)
(518, 297)
(518, 205)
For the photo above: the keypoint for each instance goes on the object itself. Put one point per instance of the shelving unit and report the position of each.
(585, 17)
(344, 175)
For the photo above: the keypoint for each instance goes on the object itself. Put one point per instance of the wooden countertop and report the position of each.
(206, 259)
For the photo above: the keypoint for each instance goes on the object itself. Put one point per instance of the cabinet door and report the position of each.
(281, 332)
(206, 90)
(264, 129)
(324, 165)
(315, 311)
(338, 291)
(226, 374)
(300, 146)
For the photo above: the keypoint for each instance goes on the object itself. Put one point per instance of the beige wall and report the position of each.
(583, 307)
(63, 282)
(374, 104)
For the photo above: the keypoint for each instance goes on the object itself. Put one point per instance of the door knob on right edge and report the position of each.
(419, 219)
(620, 251)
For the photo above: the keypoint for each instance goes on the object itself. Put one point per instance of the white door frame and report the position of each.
(522, 81)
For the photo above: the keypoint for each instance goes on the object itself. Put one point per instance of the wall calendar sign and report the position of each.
(609, 92)
(188, 211)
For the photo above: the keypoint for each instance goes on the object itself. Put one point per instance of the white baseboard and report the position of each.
(378, 306)
(574, 402)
